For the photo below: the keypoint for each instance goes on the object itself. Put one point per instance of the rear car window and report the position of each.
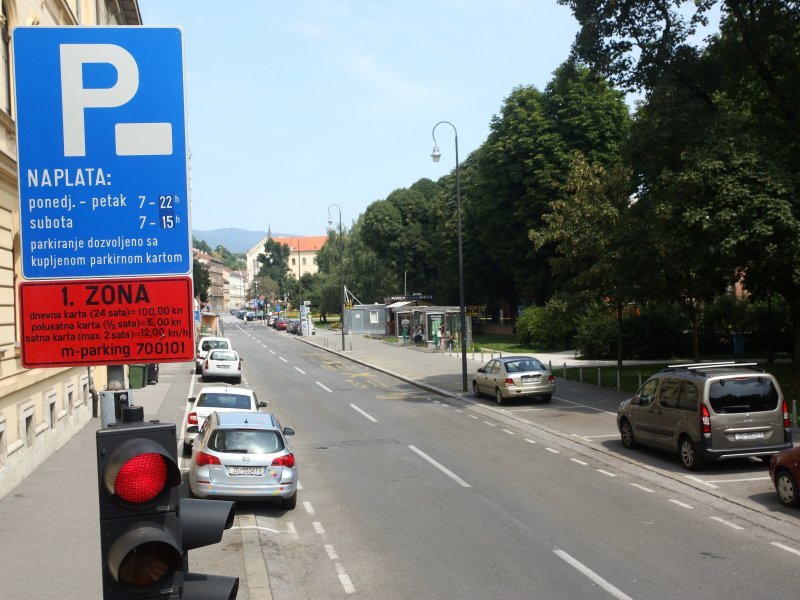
(214, 344)
(746, 394)
(221, 400)
(223, 355)
(521, 366)
(245, 441)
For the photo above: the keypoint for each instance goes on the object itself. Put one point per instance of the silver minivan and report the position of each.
(707, 412)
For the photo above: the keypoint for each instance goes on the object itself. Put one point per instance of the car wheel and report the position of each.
(198, 370)
(289, 503)
(498, 395)
(475, 391)
(237, 380)
(786, 486)
(626, 433)
(689, 457)
(546, 398)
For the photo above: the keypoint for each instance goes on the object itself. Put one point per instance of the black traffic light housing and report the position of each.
(146, 528)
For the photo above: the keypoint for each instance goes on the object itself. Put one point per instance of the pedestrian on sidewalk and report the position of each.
(418, 335)
(404, 326)
(436, 339)
(448, 340)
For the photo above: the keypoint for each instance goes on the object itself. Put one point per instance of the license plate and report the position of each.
(531, 378)
(245, 470)
(753, 435)
(223, 366)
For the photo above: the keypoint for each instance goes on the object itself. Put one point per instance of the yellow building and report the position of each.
(40, 409)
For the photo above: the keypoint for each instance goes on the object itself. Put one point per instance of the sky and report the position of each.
(295, 105)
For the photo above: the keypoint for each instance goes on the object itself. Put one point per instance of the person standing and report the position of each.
(436, 337)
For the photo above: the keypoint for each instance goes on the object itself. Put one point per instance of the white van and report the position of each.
(209, 343)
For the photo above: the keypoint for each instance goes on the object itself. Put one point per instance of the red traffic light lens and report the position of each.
(142, 478)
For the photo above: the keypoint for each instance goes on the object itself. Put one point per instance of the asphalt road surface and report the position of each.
(406, 494)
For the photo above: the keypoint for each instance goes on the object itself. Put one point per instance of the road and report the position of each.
(408, 494)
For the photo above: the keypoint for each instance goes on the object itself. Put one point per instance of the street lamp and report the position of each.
(341, 260)
(436, 155)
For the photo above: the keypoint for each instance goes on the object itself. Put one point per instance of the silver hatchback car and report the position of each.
(244, 455)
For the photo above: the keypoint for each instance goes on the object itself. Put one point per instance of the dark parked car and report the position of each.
(784, 469)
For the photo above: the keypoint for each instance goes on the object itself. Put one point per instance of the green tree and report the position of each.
(737, 172)
(201, 280)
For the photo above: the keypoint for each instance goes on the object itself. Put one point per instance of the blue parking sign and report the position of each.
(102, 152)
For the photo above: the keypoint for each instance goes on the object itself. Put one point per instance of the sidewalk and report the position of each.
(437, 371)
(49, 522)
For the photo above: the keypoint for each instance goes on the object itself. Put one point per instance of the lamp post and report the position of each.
(436, 155)
(341, 260)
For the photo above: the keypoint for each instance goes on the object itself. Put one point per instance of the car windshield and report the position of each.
(223, 355)
(524, 365)
(223, 400)
(746, 394)
(245, 441)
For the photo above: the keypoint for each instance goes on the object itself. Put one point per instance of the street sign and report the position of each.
(106, 322)
(102, 152)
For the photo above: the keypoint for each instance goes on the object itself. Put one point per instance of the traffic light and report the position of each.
(146, 528)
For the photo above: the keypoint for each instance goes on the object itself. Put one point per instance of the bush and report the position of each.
(550, 327)
(596, 335)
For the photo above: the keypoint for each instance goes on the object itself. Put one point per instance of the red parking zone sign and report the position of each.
(106, 321)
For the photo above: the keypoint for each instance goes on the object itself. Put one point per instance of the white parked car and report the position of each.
(222, 364)
(209, 343)
(216, 399)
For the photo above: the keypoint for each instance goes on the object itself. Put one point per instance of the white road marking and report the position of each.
(611, 589)
(458, 410)
(345, 580)
(318, 527)
(580, 462)
(737, 480)
(283, 359)
(728, 523)
(490, 424)
(509, 432)
(641, 487)
(473, 417)
(327, 389)
(606, 473)
(331, 552)
(299, 370)
(787, 548)
(368, 416)
(309, 508)
(530, 441)
(608, 412)
(291, 530)
(679, 503)
(440, 466)
(259, 527)
(272, 351)
(553, 450)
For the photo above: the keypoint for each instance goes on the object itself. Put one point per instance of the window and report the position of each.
(245, 441)
(670, 390)
(689, 396)
(236, 401)
(745, 394)
(5, 70)
(648, 392)
(373, 316)
(304, 261)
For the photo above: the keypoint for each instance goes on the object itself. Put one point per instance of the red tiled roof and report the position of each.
(305, 244)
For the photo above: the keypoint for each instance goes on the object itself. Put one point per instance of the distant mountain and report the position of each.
(235, 240)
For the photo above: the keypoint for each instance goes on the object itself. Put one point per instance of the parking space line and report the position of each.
(607, 586)
(365, 414)
(728, 523)
(641, 487)
(440, 466)
(787, 548)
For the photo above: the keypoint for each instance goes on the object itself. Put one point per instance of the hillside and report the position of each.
(234, 240)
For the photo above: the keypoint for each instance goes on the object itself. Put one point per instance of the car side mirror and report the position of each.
(192, 398)
(636, 401)
(262, 404)
(288, 431)
(481, 370)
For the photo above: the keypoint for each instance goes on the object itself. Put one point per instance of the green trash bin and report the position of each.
(136, 376)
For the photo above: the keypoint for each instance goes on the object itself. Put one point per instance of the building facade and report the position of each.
(40, 409)
(303, 252)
